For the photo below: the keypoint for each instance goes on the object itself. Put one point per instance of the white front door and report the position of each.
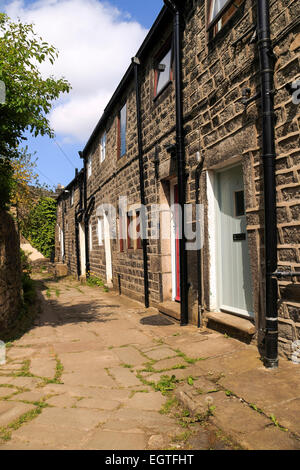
(107, 247)
(82, 249)
(62, 244)
(234, 276)
(175, 240)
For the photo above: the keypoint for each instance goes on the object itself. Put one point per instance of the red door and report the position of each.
(177, 252)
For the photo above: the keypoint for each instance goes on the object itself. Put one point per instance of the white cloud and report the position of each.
(96, 42)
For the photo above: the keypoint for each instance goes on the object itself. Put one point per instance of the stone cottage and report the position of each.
(206, 116)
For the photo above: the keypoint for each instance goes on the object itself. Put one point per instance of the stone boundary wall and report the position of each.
(10, 272)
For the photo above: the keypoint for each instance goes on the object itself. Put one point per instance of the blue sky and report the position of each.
(96, 40)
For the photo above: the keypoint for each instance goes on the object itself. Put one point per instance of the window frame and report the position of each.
(129, 219)
(119, 142)
(100, 231)
(89, 164)
(138, 229)
(168, 47)
(103, 152)
(91, 247)
(211, 25)
(72, 197)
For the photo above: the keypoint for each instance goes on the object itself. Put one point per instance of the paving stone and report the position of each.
(244, 361)
(146, 401)
(124, 376)
(260, 387)
(285, 413)
(169, 363)
(26, 382)
(10, 367)
(20, 353)
(85, 378)
(161, 353)
(62, 401)
(150, 420)
(11, 411)
(236, 417)
(50, 436)
(91, 360)
(54, 389)
(4, 380)
(30, 396)
(180, 374)
(103, 440)
(130, 355)
(211, 348)
(271, 438)
(6, 391)
(76, 418)
(97, 403)
(78, 346)
(43, 367)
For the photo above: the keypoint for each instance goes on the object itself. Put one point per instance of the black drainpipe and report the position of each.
(198, 172)
(143, 226)
(180, 151)
(86, 227)
(268, 147)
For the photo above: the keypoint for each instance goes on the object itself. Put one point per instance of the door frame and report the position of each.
(107, 249)
(215, 273)
(82, 254)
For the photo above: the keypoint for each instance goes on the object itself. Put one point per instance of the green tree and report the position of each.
(40, 231)
(29, 96)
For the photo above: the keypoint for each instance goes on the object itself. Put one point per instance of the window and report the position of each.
(100, 231)
(121, 231)
(219, 12)
(239, 203)
(163, 72)
(138, 229)
(103, 147)
(72, 197)
(130, 231)
(91, 236)
(89, 166)
(122, 128)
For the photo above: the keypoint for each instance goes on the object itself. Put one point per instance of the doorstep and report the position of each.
(172, 309)
(242, 328)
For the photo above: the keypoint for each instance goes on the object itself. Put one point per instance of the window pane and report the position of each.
(91, 236)
(103, 147)
(100, 232)
(239, 203)
(89, 165)
(123, 114)
(163, 77)
(214, 7)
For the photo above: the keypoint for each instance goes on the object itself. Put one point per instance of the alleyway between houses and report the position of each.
(98, 371)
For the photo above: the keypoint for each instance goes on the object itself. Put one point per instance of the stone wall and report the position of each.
(10, 272)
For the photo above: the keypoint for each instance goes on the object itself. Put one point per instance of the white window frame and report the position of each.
(89, 166)
(100, 231)
(103, 147)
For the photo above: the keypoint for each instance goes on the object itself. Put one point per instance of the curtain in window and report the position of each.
(214, 7)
